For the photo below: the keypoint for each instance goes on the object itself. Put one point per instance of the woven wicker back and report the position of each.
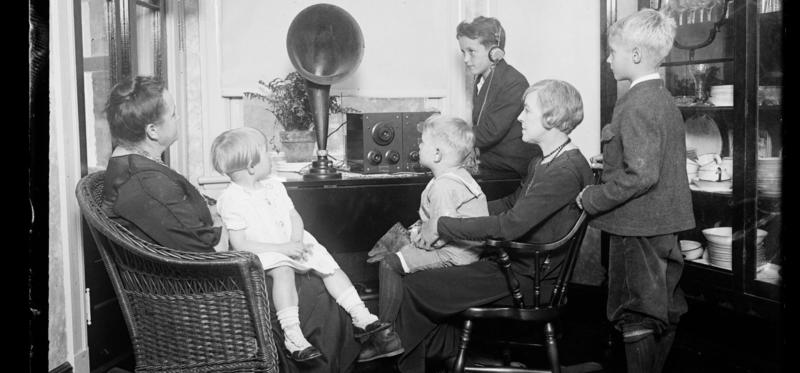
(185, 312)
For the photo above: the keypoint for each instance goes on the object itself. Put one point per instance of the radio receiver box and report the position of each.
(384, 142)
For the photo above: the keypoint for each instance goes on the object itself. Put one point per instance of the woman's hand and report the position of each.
(579, 198)
(596, 162)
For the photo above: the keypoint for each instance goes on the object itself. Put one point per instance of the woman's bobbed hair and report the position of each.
(560, 102)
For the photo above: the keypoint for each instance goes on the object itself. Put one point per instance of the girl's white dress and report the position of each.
(263, 214)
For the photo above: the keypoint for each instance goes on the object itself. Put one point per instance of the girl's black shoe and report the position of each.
(305, 354)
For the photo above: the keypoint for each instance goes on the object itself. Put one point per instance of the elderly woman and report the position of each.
(160, 205)
(543, 209)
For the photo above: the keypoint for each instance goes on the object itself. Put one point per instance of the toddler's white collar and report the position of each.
(646, 77)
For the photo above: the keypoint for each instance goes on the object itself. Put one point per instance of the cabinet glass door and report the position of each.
(700, 72)
(763, 266)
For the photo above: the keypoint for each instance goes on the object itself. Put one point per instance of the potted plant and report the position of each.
(286, 98)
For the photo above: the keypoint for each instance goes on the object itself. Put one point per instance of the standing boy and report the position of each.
(644, 199)
(497, 98)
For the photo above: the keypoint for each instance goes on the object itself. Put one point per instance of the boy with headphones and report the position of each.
(497, 97)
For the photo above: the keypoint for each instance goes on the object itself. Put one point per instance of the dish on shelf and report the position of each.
(721, 95)
(769, 95)
(684, 100)
(691, 249)
(721, 236)
(703, 136)
(711, 186)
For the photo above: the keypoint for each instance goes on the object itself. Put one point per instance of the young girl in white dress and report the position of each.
(261, 218)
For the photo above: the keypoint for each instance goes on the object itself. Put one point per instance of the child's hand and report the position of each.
(416, 237)
(429, 232)
(295, 250)
(308, 250)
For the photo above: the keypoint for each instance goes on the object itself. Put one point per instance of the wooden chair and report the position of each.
(543, 311)
(185, 312)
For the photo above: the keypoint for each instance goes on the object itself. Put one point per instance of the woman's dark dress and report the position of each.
(160, 205)
(544, 214)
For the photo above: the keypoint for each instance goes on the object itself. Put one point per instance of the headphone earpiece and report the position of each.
(496, 53)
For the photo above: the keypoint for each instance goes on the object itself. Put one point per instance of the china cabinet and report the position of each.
(726, 73)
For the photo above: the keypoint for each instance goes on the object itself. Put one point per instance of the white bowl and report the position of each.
(693, 254)
(691, 250)
(721, 236)
(687, 245)
(713, 186)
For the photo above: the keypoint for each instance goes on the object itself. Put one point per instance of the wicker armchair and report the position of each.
(185, 312)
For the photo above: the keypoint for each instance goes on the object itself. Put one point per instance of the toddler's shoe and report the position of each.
(305, 354)
(371, 328)
(384, 343)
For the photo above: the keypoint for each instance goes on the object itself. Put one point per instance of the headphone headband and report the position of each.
(496, 53)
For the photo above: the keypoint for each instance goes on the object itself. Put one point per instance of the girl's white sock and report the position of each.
(289, 318)
(351, 302)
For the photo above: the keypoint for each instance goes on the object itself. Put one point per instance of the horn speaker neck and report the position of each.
(324, 44)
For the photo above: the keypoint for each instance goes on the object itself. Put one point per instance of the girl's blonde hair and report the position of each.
(454, 133)
(237, 149)
(560, 102)
(650, 30)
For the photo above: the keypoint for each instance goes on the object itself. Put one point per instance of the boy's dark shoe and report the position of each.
(305, 354)
(371, 328)
(384, 343)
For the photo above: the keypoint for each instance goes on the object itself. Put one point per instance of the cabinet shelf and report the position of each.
(704, 108)
(697, 62)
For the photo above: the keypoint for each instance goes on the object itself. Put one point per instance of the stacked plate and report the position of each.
(719, 246)
(719, 256)
(691, 169)
(768, 175)
(721, 95)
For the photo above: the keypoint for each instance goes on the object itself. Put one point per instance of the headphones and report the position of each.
(496, 53)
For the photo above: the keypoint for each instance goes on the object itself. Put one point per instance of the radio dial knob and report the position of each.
(374, 157)
(392, 156)
(383, 133)
(413, 156)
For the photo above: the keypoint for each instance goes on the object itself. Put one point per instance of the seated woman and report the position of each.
(543, 209)
(160, 205)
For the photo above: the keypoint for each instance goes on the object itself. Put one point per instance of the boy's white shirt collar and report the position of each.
(646, 77)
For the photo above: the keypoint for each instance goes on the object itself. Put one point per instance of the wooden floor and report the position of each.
(709, 339)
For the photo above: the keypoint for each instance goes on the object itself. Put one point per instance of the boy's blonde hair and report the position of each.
(452, 132)
(560, 103)
(650, 30)
(237, 149)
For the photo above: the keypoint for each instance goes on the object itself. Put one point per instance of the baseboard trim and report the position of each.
(63, 368)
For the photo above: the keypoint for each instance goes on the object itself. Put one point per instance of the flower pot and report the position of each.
(298, 145)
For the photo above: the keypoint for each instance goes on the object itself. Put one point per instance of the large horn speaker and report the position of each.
(325, 44)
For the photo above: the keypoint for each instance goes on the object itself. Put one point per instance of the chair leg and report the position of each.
(552, 349)
(458, 365)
